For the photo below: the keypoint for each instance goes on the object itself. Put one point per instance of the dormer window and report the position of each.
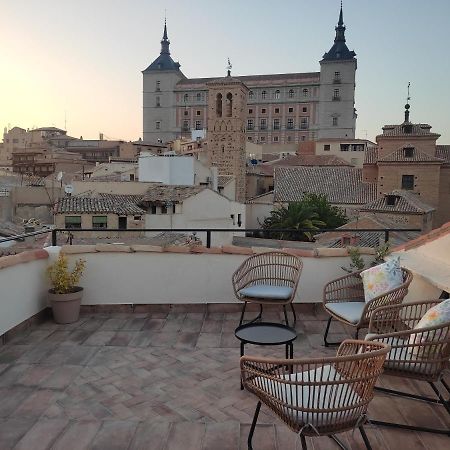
(409, 152)
(391, 199)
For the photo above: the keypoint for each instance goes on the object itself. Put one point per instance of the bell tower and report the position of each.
(227, 102)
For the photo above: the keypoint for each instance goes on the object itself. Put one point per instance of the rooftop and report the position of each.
(341, 185)
(163, 379)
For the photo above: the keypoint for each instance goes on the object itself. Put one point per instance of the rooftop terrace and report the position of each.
(153, 361)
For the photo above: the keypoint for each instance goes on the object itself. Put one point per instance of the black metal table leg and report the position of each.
(242, 354)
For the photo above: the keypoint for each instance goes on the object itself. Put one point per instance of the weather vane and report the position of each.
(229, 67)
(408, 98)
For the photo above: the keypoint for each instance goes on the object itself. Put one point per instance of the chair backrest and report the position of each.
(276, 268)
(419, 353)
(325, 395)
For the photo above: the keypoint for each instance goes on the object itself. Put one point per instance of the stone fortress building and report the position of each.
(281, 108)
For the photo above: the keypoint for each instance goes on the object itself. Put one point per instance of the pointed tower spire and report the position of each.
(341, 17)
(340, 29)
(165, 40)
(339, 50)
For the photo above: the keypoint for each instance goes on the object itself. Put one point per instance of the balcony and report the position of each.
(153, 361)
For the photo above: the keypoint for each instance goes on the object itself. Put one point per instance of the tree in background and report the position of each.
(313, 212)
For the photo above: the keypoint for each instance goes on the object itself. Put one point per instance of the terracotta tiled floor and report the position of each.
(163, 381)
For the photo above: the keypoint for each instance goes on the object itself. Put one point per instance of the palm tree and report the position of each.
(295, 217)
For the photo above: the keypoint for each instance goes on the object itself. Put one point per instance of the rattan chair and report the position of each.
(269, 278)
(343, 300)
(321, 396)
(421, 354)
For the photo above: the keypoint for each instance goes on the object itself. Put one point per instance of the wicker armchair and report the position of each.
(343, 299)
(268, 278)
(317, 397)
(419, 354)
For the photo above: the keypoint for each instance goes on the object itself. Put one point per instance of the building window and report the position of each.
(263, 124)
(186, 112)
(326, 147)
(277, 110)
(304, 123)
(263, 94)
(262, 139)
(409, 152)
(304, 109)
(276, 94)
(303, 138)
(163, 209)
(72, 221)
(291, 93)
(153, 209)
(99, 222)
(158, 125)
(263, 110)
(198, 124)
(186, 98)
(185, 125)
(337, 77)
(250, 95)
(289, 138)
(199, 97)
(158, 85)
(275, 139)
(276, 124)
(158, 101)
(198, 112)
(335, 121)
(250, 111)
(250, 124)
(408, 182)
(290, 123)
(345, 147)
(291, 110)
(305, 92)
(336, 95)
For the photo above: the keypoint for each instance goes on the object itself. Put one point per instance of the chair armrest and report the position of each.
(347, 288)
(397, 317)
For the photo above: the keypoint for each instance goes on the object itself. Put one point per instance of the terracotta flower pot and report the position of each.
(66, 307)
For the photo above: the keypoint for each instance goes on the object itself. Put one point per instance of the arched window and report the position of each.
(185, 98)
(291, 93)
(250, 95)
(276, 94)
(263, 94)
(229, 105)
(199, 97)
(219, 105)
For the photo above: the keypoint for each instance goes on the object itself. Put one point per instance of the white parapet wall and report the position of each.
(177, 278)
(23, 288)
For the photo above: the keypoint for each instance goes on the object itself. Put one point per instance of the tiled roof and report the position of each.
(443, 152)
(341, 185)
(249, 79)
(165, 193)
(371, 155)
(223, 180)
(115, 204)
(406, 202)
(299, 160)
(415, 129)
(417, 156)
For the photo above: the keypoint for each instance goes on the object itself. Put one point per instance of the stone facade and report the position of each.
(281, 108)
(226, 130)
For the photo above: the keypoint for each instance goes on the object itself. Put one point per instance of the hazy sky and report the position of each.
(82, 59)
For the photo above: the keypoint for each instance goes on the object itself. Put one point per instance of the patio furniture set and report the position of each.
(330, 395)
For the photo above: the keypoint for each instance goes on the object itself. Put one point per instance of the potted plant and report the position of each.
(65, 296)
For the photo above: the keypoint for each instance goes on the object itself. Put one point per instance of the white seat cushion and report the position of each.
(403, 358)
(312, 396)
(267, 291)
(350, 311)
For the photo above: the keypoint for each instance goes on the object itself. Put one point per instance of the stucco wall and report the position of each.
(23, 292)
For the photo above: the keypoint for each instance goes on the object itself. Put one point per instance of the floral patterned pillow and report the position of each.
(435, 316)
(382, 278)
